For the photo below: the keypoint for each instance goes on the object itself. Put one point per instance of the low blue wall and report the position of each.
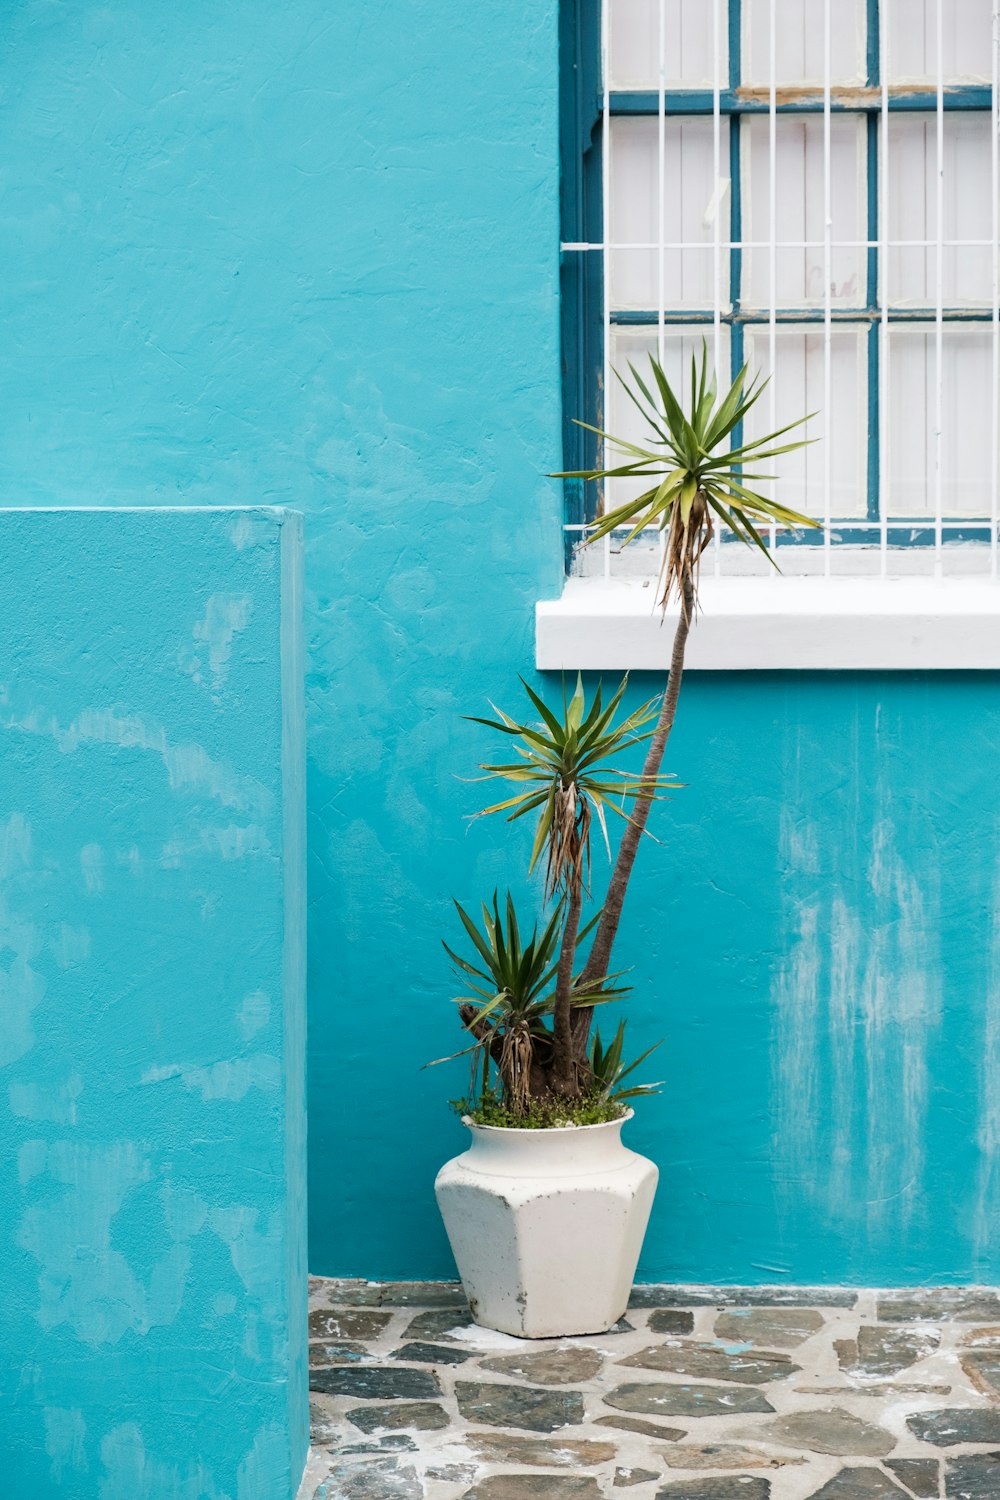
(152, 1015)
(308, 254)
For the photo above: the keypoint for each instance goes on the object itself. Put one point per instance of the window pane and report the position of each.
(690, 203)
(911, 40)
(800, 211)
(634, 43)
(966, 417)
(799, 386)
(912, 191)
(635, 345)
(798, 43)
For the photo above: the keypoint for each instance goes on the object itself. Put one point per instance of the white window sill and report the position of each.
(755, 624)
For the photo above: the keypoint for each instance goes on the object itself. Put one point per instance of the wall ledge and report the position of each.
(763, 624)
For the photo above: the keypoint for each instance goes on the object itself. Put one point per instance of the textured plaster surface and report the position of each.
(152, 1249)
(800, 1396)
(308, 254)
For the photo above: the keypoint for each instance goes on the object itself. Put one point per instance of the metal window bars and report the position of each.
(880, 534)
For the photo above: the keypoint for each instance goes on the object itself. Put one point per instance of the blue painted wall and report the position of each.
(152, 1008)
(308, 254)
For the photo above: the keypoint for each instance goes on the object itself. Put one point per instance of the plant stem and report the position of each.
(599, 960)
(564, 1075)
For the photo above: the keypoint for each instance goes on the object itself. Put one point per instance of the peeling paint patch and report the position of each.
(129, 1472)
(70, 945)
(228, 1079)
(22, 988)
(189, 767)
(234, 841)
(264, 1471)
(225, 616)
(85, 1282)
(65, 1436)
(31, 1158)
(254, 1014)
(46, 1101)
(256, 1253)
(92, 866)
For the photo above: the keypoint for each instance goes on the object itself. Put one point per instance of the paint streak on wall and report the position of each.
(987, 1210)
(858, 1007)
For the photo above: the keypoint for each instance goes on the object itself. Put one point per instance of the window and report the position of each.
(810, 185)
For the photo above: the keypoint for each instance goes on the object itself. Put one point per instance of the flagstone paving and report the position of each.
(700, 1393)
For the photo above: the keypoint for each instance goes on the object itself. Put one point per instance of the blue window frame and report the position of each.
(585, 317)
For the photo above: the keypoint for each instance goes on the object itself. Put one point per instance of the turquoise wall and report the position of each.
(308, 254)
(152, 1007)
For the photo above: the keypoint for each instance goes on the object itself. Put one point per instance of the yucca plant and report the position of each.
(609, 1069)
(568, 771)
(700, 481)
(565, 764)
(511, 1000)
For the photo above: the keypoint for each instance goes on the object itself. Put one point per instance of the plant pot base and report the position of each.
(546, 1227)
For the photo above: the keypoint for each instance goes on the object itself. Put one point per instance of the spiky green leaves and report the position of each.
(567, 777)
(509, 975)
(512, 985)
(700, 480)
(609, 1069)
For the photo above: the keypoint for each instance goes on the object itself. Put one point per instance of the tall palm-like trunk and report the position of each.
(564, 1075)
(599, 959)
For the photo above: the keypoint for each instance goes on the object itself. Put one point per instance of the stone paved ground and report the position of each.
(703, 1393)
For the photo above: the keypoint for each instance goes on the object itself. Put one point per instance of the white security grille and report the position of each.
(813, 186)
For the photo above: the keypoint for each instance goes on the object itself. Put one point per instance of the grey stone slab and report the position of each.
(561, 1452)
(956, 1424)
(886, 1351)
(378, 1479)
(651, 1398)
(980, 1338)
(375, 1382)
(705, 1362)
(530, 1486)
(723, 1456)
(860, 1484)
(347, 1291)
(983, 1368)
(354, 1293)
(772, 1327)
(346, 1323)
(625, 1478)
(549, 1366)
(326, 1429)
(420, 1416)
(437, 1323)
(423, 1294)
(671, 1320)
(518, 1406)
(322, 1352)
(731, 1487)
(390, 1442)
(741, 1296)
(433, 1354)
(939, 1305)
(828, 1431)
(451, 1473)
(643, 1428)
(921, 1476)
(974, 1476)
(881, 1389)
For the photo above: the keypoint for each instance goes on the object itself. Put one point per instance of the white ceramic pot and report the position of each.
(546, 1226)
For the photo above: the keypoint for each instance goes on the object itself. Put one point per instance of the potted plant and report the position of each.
(547, 1210)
